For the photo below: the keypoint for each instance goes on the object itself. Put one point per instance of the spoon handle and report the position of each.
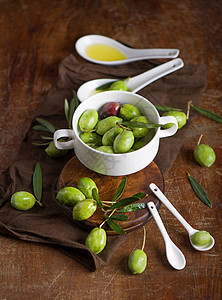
(173, 210)
(152, 53)
(138, 82)
(152, 208)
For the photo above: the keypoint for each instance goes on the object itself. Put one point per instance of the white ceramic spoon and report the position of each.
(174, 256)
(135, 83)
(131, 54)
(187, 226)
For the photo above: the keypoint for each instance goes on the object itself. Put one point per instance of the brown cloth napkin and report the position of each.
(49, 224)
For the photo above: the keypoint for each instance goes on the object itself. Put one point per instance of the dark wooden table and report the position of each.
(35, 36)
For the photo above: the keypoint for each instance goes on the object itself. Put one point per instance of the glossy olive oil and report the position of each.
(104, 52)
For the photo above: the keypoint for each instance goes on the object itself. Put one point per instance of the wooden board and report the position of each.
(107, 185)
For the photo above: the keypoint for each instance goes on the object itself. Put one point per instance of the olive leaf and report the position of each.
(120, 189)
(46, 126)
(199, 191)
(166, 108)
(105, 86)
(72, 107)
(119, 217)
(133, 207)
(132, 124)
(66, 109)
(207, 113)
(139, 195)
(124, 202)
(112, 224)
(37, 183)
(95, 196)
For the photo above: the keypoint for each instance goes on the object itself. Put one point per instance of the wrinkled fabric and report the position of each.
(49, 224)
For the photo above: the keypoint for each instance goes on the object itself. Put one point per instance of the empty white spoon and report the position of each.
(187, 226)
(135, 83)
(174, 256)
(130, 53)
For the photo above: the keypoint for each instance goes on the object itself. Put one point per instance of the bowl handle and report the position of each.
(170, 131)
(63, 133)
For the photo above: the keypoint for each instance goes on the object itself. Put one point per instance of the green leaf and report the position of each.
(96, 197)
(37, 182)
(132, 124)
(72, 107)
(139, 195)
(133, 207)
(48, 125)
(105, 86)
(120, 189)
(112, 224)
(124, 202)
(207, 113)
(166, 108)
(41, 144)
(41, 127)
(119, 217)
(66, 109)
(199, 191)
(47, 138)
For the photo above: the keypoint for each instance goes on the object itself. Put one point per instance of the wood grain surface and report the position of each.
(35, 36)
(107, 186)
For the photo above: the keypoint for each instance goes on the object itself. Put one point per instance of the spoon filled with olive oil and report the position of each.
(106, 51)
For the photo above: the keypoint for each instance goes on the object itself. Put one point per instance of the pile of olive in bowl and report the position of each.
(117, 159)
(105, 131)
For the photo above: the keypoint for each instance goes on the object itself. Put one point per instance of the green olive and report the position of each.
(110, 135)
(84, 209)
(70, 196)
(118, 85)
(204, 155)
(22, 200)
(180, 117)
(96, 240)
(90, 137)
(104, 125)
(139, 144)
(129, 111)
(140, 132)
(137, 261)
(200, 238)
(86, 185)
(123, 142)
(106, 149)
(88, 120)
(52, 151)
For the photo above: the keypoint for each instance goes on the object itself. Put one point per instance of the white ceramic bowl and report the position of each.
(115, 164)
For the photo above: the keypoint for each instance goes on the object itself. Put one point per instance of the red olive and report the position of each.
(109, 109)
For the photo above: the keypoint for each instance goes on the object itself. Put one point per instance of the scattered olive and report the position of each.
(200, 238)
(180, 117)
(22, 200)
(52, 151)
(70, 196)
(118, 85)
(137, 261)
(84, 209)
(96, 240)
(86, 185)
(204, 155)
